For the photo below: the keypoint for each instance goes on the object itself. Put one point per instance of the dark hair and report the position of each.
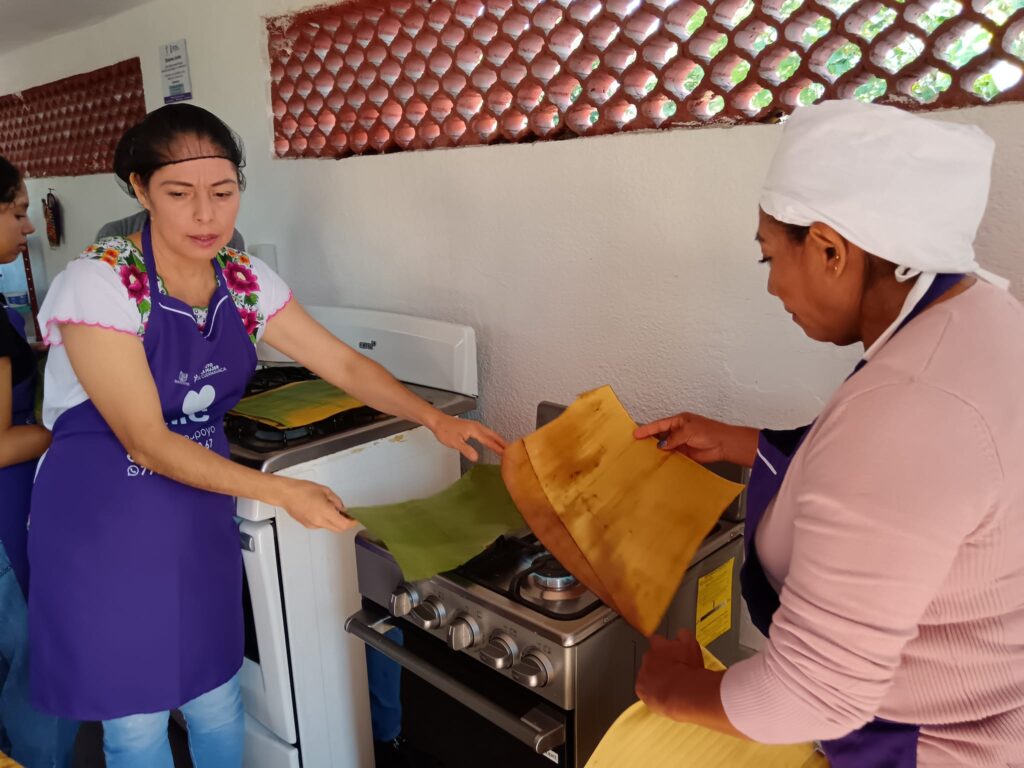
(795, 232)
(150, 144)
(10, 181)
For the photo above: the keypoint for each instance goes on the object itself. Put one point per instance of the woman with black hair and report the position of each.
(22, 442)
(139, 608)
(31, 738)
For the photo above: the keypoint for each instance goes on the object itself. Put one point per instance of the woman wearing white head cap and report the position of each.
(885, 542)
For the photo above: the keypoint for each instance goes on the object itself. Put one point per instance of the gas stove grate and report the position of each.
(505, 567)
(262, 438)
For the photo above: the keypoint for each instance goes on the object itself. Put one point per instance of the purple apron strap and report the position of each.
(879, 744)
(775, 450)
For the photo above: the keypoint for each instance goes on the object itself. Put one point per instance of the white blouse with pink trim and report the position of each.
(107, 287)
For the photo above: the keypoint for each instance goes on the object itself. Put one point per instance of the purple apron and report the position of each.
(880, 743)
(16, 480)
(136, 601)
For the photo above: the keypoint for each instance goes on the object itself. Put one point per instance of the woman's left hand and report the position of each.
(674, 682)
(456, 433)
(666, 673)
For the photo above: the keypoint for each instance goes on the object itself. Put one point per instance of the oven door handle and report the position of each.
(542, 728)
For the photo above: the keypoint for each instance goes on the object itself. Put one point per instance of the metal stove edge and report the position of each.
(452, 403)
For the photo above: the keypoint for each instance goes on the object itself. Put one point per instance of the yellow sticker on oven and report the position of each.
(714, 603)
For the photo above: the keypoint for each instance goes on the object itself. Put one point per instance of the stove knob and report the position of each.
(463, 633)
(534, 671)
(430, 614)
(500, 652)
(403, 600)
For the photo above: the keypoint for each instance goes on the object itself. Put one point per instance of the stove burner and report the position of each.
(520, 568)
(549, 585)
(505, 558)
(550, 575)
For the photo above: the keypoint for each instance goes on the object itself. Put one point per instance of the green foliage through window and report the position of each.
(873, 89)
(845, 58)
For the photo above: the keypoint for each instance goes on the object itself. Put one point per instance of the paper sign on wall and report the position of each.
(174, 72)
(714, 603)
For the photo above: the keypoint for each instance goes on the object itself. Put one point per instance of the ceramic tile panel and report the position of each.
(367, 77)
(70, 127)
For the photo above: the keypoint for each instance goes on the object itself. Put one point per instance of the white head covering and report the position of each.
(907, 189)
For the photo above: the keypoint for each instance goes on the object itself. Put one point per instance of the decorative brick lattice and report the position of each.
(413, 74)
(70, 127)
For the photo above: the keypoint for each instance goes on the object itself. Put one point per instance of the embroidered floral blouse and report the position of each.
(107, 286)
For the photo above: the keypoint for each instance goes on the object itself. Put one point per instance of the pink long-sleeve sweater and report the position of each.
(897, 545)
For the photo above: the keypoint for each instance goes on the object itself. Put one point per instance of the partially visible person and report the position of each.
(129, 225)
(30, 737)
(22, 442)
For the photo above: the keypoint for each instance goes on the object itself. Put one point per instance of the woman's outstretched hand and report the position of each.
(316, 506)
(456, 433)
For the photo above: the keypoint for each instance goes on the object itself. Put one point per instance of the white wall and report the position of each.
(627, 259)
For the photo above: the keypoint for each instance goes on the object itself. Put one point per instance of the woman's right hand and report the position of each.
(702, 439)
(315, 506)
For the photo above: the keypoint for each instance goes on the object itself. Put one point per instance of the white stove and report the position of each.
(304, 678)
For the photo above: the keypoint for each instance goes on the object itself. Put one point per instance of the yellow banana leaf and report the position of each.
(639, 738)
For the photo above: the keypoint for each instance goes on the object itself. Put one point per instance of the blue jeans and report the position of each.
(385, 678)
(216, 731)
(33, 739)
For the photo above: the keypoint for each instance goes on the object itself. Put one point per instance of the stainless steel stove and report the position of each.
(538, 663)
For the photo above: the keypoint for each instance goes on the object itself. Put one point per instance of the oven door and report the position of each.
(266, 675)
(460, 711)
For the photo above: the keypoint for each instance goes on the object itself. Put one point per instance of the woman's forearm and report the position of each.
(704, 705)
(178, 458)
(741, 447)
(371, 383)
(23, 443)
(293, 332)
(174, 456)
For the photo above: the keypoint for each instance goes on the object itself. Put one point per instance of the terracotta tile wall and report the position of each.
(363, 77)
(70, 127)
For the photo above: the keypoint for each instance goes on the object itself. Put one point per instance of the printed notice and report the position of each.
(714, 603)
(177, 82)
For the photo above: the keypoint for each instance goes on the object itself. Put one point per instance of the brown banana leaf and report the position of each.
(636, 514)
(533, 505)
